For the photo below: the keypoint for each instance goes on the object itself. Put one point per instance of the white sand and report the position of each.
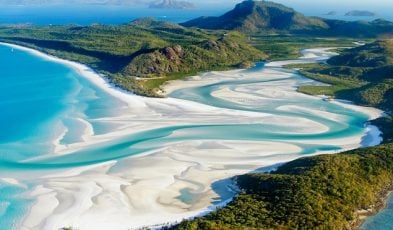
(309, 56)
(143, 190)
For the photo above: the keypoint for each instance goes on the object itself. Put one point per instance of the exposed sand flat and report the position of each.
(372, 112)
(143, 190)
(309, 56)
(182, 178)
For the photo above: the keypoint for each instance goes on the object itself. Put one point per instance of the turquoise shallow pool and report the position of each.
(42, 101)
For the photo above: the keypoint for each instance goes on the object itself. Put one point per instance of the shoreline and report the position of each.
(84, 70)
(169, 155)
(361, 215)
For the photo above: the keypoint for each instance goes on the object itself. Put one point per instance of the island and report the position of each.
(361, 13)
(331, 13)
(171, 4)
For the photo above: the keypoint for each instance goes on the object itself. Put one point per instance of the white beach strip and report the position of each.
(85, 71)
(134, 101)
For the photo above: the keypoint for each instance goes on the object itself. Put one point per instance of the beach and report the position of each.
(187, 171)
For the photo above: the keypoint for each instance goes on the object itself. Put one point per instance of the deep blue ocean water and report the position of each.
(88, 14)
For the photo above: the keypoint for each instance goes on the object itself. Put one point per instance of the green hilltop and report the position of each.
(363, 74)
(265, 16)
(254, 16)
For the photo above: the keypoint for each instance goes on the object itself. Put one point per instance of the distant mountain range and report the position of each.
(262, 16)
(171, 4)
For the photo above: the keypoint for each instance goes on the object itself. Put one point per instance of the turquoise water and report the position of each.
(381, 221)
(41, 100)
(38, 100)
(13, 205)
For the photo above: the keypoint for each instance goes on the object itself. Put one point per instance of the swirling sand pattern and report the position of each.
(152, 161)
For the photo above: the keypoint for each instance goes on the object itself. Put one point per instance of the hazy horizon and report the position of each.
(109, 11)
(331, 3)
(317, 6)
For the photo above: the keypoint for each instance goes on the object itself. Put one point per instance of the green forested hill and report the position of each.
(141, 55)
(266, 16)
(362, 29)
(254, 16)
(323, 192)
(377, 54)
(363, 74)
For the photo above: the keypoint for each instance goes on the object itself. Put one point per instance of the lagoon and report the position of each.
(75, 149)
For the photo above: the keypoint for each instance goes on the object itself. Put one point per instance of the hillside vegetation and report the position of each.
(142, 55)
(287, 46)
(363, 74)
(322, 192)
(253, 16)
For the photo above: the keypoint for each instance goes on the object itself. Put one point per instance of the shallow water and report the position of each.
(43, 101)
(381, 221)
(40, 101)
